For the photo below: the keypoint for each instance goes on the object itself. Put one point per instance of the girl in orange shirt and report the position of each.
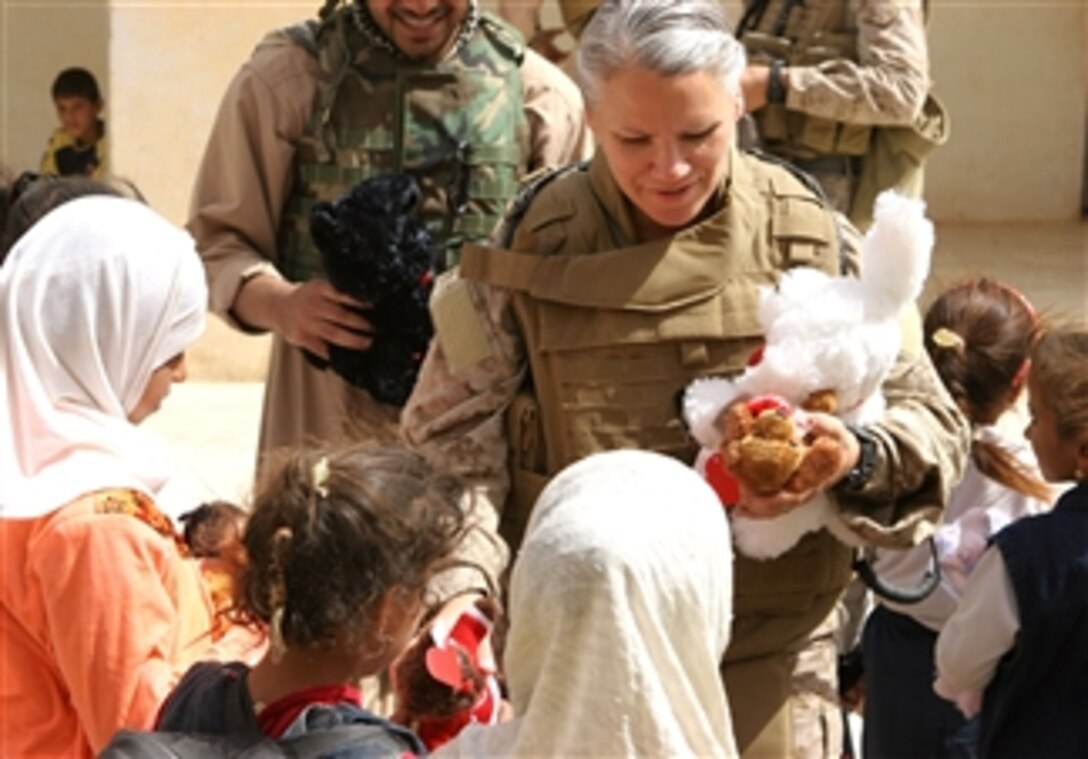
(100, 610)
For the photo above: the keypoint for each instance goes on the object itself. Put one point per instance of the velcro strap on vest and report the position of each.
(498, 267)
(652, 277)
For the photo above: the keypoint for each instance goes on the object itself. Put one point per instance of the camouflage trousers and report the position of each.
(786, 704)
(815, 713)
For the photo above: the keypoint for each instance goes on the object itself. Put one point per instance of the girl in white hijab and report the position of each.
(620, 610)
(98, 608)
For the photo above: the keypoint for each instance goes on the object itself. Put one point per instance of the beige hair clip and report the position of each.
(276, 645)
(319, 476)
(943, 337)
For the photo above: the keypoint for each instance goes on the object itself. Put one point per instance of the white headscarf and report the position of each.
(95, 297)
(621, 605)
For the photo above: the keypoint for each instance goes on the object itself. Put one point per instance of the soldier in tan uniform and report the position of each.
(611, 287)
(552, 37)
(841, 89)
(316, 109)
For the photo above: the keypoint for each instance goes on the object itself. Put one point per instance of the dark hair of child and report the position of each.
(1059, 367)
(213, 528)
(32, 195)
(332, 531)
(76, 82)
(979, 335)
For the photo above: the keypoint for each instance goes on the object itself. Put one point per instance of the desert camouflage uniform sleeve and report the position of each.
(556, 116)
(888, 83)
(455, 416)
(923, 439)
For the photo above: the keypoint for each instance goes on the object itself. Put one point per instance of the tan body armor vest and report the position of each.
(803, 34)
(807, 34)
(614, 334)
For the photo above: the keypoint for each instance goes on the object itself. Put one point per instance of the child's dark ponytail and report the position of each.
(979, 335)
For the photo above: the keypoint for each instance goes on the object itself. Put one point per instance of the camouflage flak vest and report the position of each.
(457, 126)
(803, 34)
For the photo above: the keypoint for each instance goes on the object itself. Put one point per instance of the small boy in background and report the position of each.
(78, 145)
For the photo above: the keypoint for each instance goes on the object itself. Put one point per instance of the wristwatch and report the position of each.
(776, 88)
(859, 476)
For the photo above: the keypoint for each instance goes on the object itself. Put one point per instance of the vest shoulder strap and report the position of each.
(821, 209)
(500, 267)
(531, 187)
(303, 34)
(504, 37)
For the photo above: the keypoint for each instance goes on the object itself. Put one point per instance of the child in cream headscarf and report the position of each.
(620, 610)
(99, 608)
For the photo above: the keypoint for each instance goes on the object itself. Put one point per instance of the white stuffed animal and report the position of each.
(823, 333)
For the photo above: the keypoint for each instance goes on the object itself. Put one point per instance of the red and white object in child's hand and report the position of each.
(453, 660)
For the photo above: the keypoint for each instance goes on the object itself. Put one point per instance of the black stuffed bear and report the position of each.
(375, 248)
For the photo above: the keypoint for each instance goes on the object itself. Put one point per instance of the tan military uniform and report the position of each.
(852, 65)
(242, 187)
(609, 329)
(577, 13)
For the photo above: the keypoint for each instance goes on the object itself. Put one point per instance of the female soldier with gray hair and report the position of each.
(612, 286)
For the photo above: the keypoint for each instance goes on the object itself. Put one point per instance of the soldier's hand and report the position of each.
(752, 504)
(314, 315)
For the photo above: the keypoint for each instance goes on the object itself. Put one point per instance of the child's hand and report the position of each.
(452, 609)
(969, 702)
(506, 711)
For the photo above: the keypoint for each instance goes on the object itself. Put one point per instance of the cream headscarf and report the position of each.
(621, 605)
(94, 298)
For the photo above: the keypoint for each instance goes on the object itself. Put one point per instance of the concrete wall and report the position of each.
(162, 65)
(1013, 73)
(37, 40)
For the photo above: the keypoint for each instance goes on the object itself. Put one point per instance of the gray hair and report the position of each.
(669, 37)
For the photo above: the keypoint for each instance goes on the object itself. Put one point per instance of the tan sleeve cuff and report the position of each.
(229, 280)
(482, 557)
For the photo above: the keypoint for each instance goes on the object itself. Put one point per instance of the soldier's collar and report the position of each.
(360, 15)
(614, 204)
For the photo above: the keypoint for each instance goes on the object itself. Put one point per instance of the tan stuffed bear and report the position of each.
(823, 336)
(763, 447)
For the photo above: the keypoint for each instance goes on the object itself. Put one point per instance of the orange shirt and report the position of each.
(99, 615)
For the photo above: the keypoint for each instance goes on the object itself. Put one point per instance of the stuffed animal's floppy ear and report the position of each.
(895, 255)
